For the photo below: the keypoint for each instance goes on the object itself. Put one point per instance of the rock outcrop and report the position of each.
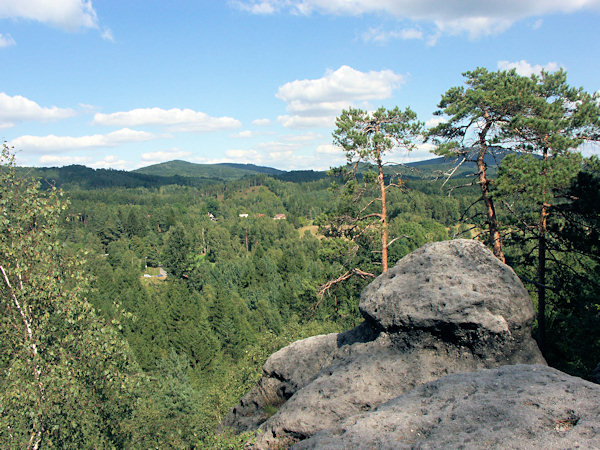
(449, 307)
(526, 407)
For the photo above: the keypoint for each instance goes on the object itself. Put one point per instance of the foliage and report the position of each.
(67, 379)
(366, 138)
(178, 353)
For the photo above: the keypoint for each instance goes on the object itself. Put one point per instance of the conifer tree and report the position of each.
(554, 119)
(475, 116)
(367, 138)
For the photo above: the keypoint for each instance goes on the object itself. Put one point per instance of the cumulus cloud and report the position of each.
(63, 160)
(314, 103)
(244, 156)
(175, 119)
(330, 149)
(433, 121)
(111, 162)
(378, 35)
(306, 137)
(6, 40)
(40, 144)
(526, 69)
(261, 122)
(66, 14)
(16, 108)
(244, 134)
(164, 155)
(449, 16)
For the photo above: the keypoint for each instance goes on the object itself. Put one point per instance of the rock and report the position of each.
(596, 374)
(521, 406)
(455, 289)
(448, 307)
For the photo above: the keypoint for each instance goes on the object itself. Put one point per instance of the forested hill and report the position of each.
(183, 173)
(226, 171)
(78, 176)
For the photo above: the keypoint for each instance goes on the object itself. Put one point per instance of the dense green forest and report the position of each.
(116, 355)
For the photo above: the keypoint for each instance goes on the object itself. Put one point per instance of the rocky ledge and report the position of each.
(447, 308)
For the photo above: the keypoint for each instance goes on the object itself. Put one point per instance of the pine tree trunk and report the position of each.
(494, 233)
(541, 278)
(541, 269)
(384, 231)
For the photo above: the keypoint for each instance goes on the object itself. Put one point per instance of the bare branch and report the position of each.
(349, 274)
(453, 171)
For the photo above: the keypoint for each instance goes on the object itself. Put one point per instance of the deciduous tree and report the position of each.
(68, 380)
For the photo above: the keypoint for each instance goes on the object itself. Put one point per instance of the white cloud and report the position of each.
(538, 24)
(449, 16)
(40, 144)
(526, 69)
(432, 122)
(6, 40)
(261, 122)
(378, 35)
(297, 121)
(107, 35)
(330, 149)
(306, 137)
(164, 155)
(317, 102)
(244, 156)
(20, 109)
(279, 155)
(63, 160)
(66, 14)
(109, 161)
(175, 119)
(244, 134)
(112, 162)
(277, 146)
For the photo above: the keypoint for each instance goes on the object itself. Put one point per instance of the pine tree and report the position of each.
(368, 137)
(554, 119)
(475, 115)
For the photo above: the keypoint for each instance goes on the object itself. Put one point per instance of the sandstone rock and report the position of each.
(457, 289)
(448, 307)
(526, 407)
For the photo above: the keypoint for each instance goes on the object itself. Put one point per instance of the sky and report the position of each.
(127, 84)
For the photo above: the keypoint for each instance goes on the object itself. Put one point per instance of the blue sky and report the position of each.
(125, 84)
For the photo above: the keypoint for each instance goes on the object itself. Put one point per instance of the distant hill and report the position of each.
(225, 171)
(190, 174)
(84, 177)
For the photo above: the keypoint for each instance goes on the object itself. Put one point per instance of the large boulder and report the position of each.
(527, 407)
(448, 307)
(457, 291)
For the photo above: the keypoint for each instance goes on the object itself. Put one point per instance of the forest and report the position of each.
(98, 350)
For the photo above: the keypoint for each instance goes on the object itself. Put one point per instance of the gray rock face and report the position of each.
(526, 407)
(448, 307)
(455, 288)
